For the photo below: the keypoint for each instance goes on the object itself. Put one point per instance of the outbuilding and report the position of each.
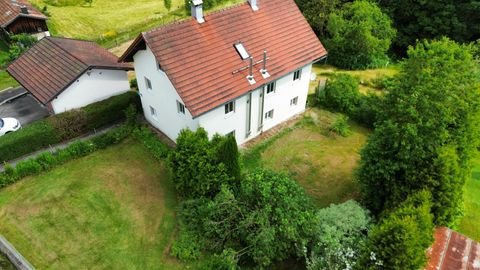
(65, 74)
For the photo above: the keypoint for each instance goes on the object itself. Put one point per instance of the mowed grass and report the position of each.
(113, 209)
(470, 223)
(6, 80)
(111, 22)
(318, 159)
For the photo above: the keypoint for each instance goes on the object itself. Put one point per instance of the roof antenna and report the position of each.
(264, 71)
(250, 78)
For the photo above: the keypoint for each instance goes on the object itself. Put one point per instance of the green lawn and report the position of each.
(114, 209)
(6, 80)
(117, 21)
(470, 223)
(321, 161)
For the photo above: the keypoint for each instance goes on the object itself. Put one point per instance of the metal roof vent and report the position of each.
(24, 10)
(253, 4)
(264, 71)
(197, 10)
(250, 78)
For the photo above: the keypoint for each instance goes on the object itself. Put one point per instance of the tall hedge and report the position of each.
(402, 237)
(65, 126)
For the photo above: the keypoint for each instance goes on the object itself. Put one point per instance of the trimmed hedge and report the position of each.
(47, 160)
(65, 126)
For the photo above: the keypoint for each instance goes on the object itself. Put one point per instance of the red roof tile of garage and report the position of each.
(10, 10)
(453, 251)
(50, 66)
(200, 59)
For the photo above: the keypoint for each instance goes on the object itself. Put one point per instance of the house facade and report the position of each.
(213, 72)
(19, 16)
(65, 74)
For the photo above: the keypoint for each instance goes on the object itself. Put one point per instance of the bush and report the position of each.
(339, 236)
(401, 239)
(158, 149)
(360, 36)
(196, 170)
(134, 83)
(341, 93)
(65, 126)
(187, 247)
(227, 260)
(367, 110)
(341, 127)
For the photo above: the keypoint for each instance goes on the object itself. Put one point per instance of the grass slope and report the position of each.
(6, 80)
(110, 22)
(470, 223)
(321, 161)
(111, 210)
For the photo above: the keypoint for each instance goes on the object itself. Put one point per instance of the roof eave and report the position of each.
(5, 25)
(127, 56)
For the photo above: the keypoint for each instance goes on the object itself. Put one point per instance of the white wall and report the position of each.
(216, 121)
(94, 85)
(162, 97)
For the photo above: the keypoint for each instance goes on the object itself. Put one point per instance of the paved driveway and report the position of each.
(18, 104)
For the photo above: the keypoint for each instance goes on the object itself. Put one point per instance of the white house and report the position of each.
(65, 74)
(238, 71)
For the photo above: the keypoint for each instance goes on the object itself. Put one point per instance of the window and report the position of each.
(294, 101)
(180, 107)
(297, 74)
(269, 114)
(153, 112)
(271, 87)
(241, 51)
(230, 107)
(148, 83)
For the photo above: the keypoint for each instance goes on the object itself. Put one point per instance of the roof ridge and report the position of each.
(65, 50)
(189, 18)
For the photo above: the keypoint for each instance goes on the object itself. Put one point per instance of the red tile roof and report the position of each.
(10, 10)
(50, 66)
(453, 251)
(200, 59)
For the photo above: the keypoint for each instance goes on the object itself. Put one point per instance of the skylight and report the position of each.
(242, 51)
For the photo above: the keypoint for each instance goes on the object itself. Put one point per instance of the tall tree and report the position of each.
(359, 36)
(317, 11)
(427, 131)
(457, 19)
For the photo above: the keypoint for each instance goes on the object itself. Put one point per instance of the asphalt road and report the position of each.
(17, 103)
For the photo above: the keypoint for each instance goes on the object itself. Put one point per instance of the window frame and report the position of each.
(153, 112)
(148, 83)
(294, 101)
(180, 107)
(269, 114)
(273, 87)
(230, 107)
(297, 75)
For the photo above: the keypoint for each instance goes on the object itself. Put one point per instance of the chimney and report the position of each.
(264, 71)
(250, 78)
(24, 9)
(197, 10)
(253, 4)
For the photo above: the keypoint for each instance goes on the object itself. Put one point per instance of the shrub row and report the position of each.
(342, 94)
(157, 148)
(65, 126)
(48, 160)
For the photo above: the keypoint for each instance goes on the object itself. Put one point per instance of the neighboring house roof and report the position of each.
(53, 64)
(453, 251)
(203, 65)
(10, 10)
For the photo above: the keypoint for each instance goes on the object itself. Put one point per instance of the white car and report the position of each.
(8, 125)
